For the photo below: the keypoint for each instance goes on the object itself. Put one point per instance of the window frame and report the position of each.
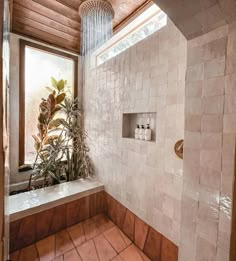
(43, 48)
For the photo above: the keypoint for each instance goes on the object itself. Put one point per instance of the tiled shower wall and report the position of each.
(210, 127)
(144, 176)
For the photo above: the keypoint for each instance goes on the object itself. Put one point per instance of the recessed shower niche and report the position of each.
(130, 121)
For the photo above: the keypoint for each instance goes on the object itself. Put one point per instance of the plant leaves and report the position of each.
(57, 108)
(54, 82)
(54, 123)
(60, 98)
(49, 89)
(41, 118)
(37, 143)
(51, 102)
(36, 139)
(53, 175)
(60, 85)
(50, 139)
(37, 146)
(64, 123)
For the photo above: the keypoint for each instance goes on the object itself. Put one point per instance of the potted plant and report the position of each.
(60, 144)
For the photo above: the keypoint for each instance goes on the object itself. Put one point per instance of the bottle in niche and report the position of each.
(148, 133)
(137, 132)
(142, 133)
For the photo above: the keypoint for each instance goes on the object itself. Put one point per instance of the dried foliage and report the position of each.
(62, 152)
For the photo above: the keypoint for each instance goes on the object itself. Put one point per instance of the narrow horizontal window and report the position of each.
(150, 21)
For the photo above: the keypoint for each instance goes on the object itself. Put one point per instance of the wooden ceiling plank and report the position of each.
(71, 3)
(21, 11)
(48, 13)
(46, 29)
(60, 8)
(39, 35)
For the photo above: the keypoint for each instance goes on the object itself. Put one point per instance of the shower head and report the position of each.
(90, 7)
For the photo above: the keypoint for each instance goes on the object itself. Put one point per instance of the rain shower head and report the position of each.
(96, 24)
(90, 7)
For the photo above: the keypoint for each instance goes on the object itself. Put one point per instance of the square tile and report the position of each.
(58, 219)
(46, 248)
(26, 234)
(132, 253)
(128, 226)
(29, 254)
(104, 249)
(120, 215)
(88, 252)
(77, 234)
(72, 255)
(15, 256)
(115, 238)
(140, 233)
(63, 243)
(169, 251)
(152, 247)
(43, 222)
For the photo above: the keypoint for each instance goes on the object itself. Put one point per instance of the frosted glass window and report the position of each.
(40, 66)
(138, 30)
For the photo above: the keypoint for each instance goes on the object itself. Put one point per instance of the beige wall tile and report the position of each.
(150, 77)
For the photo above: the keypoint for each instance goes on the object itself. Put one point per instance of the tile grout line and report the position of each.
(96, 249)
(75, 247)
(37, 250)
(110, 242)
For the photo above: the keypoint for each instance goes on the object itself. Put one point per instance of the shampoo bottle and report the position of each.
(137, 132)
(142, 133)
(148, 133)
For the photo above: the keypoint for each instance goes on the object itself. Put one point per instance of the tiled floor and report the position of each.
(96, 239)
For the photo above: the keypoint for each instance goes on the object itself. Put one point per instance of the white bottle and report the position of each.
(142, 133)
(137, 132)
(148, 133)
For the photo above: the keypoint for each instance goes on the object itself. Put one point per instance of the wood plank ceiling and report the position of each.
(57, 22)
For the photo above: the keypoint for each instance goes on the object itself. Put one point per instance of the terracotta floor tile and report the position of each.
(96, 225)
(117, 258)
(90, 230)
(105, 251)
(59, 258)
(72, 255)
(29, 254)
(77, 234)
(103, 223)
(46, 248)
(63, 243)
(15, 256)
(132, 253)
(106, 242)
(88, 252)
(113, 235)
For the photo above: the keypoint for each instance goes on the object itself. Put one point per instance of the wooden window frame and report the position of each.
(23, 45)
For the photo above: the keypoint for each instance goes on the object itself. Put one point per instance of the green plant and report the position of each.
(62, 153)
